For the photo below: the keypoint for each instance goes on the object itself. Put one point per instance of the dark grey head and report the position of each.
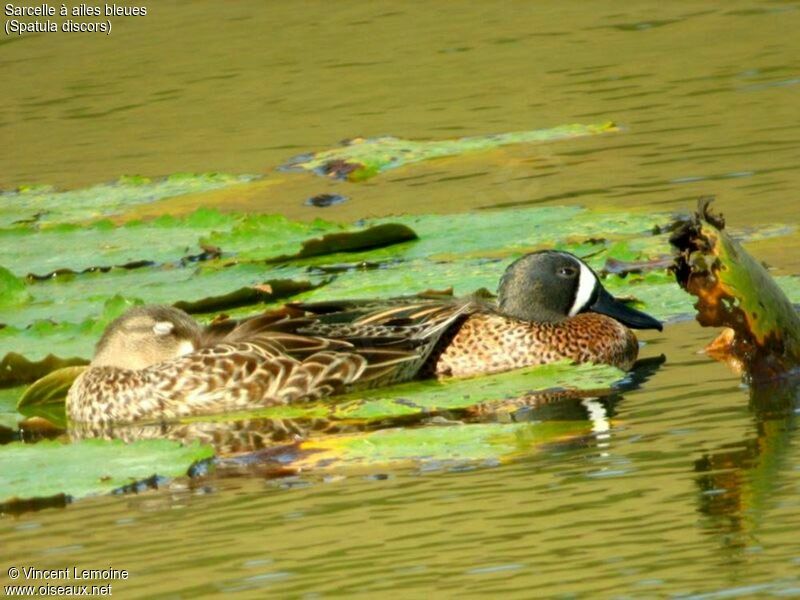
(549, 286)
(146, 335)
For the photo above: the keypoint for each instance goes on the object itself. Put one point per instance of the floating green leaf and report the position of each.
(377, 236)
(267, 291)
(75, 299)
(425, 397)
(75, 272)
(9, 417)
(90, 467)
(360, 159)
(50, 389)
(16, 369)
(44, 205)
(65, 248)
(12, 289)
(443, 445)
(443, 256)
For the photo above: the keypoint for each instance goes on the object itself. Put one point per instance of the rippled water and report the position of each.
(637, 512)
(694, 490)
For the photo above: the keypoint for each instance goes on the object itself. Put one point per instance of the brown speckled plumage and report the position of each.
(273, 366)
(209, 381)
(491, 343)
(155, 363)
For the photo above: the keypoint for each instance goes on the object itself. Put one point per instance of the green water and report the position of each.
(693, 489)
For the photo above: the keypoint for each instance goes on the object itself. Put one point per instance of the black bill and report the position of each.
(606, 304)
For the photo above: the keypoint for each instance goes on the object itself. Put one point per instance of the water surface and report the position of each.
(694, 490)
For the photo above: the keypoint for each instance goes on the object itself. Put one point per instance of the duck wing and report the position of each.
(396, 338)
(245, 375)
(419, 326)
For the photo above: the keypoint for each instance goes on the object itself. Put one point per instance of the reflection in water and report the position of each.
(592, 516)
(238, 436)
(736, 483)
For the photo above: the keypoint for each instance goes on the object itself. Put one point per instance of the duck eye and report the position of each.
(567, 272)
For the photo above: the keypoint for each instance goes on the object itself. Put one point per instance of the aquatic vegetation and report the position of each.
(9, 417)
(480, 398)
(429, 397)
(41, 204)
(52, 388)
(68, 281)
(437, 445)
(50, 468)
(359, 159)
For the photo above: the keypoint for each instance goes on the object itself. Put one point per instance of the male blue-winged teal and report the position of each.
(156, 362)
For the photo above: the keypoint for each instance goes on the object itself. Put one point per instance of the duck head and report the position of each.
(550, 286)
(146, 335)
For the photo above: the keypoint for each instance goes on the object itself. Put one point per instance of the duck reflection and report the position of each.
(230, 436)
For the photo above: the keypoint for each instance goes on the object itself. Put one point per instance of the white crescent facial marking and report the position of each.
(586, 285)
(163, 327)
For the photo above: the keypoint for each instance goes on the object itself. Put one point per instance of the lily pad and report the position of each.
(50, 389)
(268, 291)
(425, 397)
(74, 267)
(103, 245)
(467, 251)
(9, 417)
(16, 369)
(36, 205)
(360, 158)
(12, 289)
(377, 236)
(436, 445)
(50, 468)
(75, 299)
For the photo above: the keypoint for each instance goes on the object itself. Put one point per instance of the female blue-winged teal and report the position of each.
(156, 362)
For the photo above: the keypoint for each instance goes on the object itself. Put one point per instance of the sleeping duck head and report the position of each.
(147, 335)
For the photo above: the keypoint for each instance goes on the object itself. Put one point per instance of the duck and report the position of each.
(157, 363)
(550, 306)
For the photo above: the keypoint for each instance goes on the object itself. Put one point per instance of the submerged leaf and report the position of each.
(734, 290)
(360, 159)
(50, 468)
